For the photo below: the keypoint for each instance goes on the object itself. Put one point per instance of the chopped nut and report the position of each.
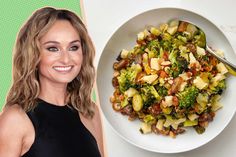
(172, 134)
(112, 99)
(116, 73)
(166, 63)
(170, 81)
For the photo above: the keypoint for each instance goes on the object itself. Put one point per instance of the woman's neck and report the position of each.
(53, 93)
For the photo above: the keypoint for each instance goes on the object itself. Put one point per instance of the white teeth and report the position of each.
(62, 69)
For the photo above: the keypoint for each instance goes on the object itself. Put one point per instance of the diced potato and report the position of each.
(155, 31)
(201, 51)
(137, 102)
(149, 78)
(145, 128)
(199, 83)
(168, 101)
(155, 64)
(192, 59)
(215, 80)
(160, 124)
(172, 30)
(174, 23)
(221, 68)
(192, 117)
(163, 27)
(141, 36)
(124, 53)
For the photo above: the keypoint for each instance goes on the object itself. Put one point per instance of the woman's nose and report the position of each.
(65, 57)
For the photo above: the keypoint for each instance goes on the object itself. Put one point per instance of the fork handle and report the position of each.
(220, 58)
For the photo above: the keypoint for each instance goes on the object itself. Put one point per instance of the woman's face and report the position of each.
(61, 54)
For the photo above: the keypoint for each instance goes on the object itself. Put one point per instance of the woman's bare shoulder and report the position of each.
(12, 118)
(13, 128)
(13, 114)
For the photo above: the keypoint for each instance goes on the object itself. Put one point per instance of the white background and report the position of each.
(103, 18)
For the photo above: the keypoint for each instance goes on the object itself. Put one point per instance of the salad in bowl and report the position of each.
(168, 80)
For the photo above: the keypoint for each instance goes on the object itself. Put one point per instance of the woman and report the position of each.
(49, 111)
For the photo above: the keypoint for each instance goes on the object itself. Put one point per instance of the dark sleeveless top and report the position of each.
(59, 132)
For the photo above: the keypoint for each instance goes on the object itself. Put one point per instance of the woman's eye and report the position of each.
(74, 48)
(52, 49)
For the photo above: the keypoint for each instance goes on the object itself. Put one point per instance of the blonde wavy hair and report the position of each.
(26, 87)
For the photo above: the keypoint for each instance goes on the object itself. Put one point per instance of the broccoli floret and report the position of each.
(188, 97)
(220, 87)
(162, 91)
(182, 63)
(179, 64)
(127, 77)
(166, 37)
(149, 95)
(182, 38)
(149, 119)
(173, 56)
(153, 46)
(199, 129)
(200, 39)
(176, 42)
(166, 45)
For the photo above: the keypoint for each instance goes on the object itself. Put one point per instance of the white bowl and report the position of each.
(125, 37)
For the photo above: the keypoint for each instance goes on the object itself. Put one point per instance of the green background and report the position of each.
(13, 14)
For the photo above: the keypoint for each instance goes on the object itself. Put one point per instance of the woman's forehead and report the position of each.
(61, 31)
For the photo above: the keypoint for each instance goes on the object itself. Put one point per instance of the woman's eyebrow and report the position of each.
(74, 41)
(56, 42)
(53, 42)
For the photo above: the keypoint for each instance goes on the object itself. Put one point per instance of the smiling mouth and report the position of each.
(62, 68)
